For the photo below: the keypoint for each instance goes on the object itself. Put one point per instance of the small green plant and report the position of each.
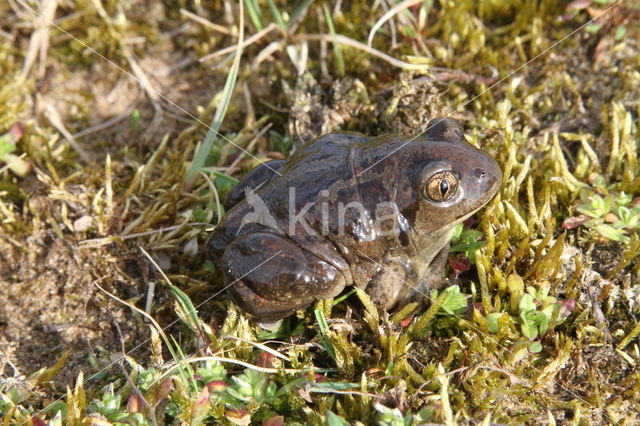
(253, 386)
(613, 215)
(110, 407)
(537, 309)
(454, 302)
(8, 143)
(467, 241)
(394, 417)
(594, 9)
(335, 420)
(280, 142)
(211, 371)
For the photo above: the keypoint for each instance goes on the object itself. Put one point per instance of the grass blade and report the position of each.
(227, 92)
(337, 49)
(277, 16)
(298, 12)
(254, 14)
(324, 330)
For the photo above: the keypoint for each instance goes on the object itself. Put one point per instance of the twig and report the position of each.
(52, 115)
(104, 125)
(259, 346)
(249, 147)
(135, 388)
(205, 22)
(39, 42)
(150, 293)
(253, 367)
(214, 191)
(272, 26)
(338, 38)
(98, 242)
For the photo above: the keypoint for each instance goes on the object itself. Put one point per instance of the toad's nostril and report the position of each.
(480, 173)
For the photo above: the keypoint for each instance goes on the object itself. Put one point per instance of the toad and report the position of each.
(350, 210)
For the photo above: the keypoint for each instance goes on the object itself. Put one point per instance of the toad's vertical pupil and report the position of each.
(444, 187)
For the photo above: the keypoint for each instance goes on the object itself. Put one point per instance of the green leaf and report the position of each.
(335, 420)
(6, 145)
(610, 232)
(199, 215)
(530, 331)
(329, 387)
(535, 347)
(134, 119)
(211, 370)
(187, 307)
(624, 199)
(454, 302)
(527, 303)
(469, 246)
(593, 28)
(208, 266)
(224, 182)
(493, 321)
(457, 231)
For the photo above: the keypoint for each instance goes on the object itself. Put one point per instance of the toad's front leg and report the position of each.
(398, 282)
(270, 276)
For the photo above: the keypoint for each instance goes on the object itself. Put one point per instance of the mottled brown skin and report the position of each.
(271, 271)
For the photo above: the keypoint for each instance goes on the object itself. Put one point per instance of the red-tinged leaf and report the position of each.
(574, 222)
(217, 386)
(579, 4)
(201, 406)
(265, 359)
(17, 131)
(239, 417)
(135, 404)
(37, 421)
(567, 307)
(459, 263)
(478, 307)
(274, 421)
(319, 377)
(405, 322)
(163, 390)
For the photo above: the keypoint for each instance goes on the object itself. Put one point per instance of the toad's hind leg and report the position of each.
(270, 276)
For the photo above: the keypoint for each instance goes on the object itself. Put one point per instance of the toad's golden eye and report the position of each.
(441, 186)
